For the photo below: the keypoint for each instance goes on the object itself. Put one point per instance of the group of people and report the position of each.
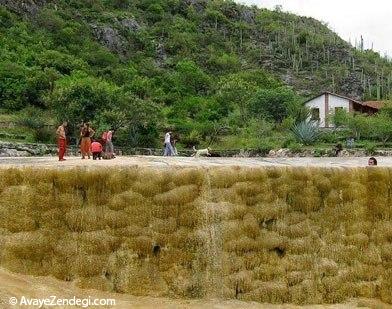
(104, 146)
(89, 146)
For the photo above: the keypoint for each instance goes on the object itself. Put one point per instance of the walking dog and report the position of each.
(201, 152)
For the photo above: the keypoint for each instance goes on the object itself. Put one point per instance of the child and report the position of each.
(96, 149)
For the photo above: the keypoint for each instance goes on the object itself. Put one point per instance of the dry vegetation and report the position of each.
(298, 235)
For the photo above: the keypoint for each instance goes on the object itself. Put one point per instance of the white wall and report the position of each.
(319, 103)
(334, 101)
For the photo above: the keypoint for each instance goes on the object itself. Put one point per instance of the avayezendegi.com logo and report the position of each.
(54, 301)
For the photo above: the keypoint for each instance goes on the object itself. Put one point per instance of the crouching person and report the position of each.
(96, 149)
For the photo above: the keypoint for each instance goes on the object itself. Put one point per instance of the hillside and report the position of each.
(210, 70)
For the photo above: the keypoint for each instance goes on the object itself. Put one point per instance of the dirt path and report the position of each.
(163, 162)
(16, 285)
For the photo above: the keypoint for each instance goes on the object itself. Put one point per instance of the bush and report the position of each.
(295, 147)
(319, 152)
(44, 135)
(275, 104)
(306, 132)
(30, 118)
(191, 139)
(329, 137)
(370, 148)
(289, 140)
(265, 148)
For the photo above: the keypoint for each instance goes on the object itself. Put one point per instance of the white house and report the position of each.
(327, 103)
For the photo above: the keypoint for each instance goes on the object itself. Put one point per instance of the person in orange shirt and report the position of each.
(96, 149)
(62, 140)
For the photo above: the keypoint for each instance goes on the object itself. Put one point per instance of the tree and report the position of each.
(340, 118)
(81, 97)
(359, 125)
(135, 120)
(190, 78)
(381, 127)
(13, 86)
(276, 104)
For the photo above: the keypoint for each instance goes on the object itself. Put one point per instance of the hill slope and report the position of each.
(205, 67)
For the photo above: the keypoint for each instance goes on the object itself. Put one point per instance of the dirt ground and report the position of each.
(16, 285)
(162, 162)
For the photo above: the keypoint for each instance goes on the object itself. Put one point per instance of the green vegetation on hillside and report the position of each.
(216, 72)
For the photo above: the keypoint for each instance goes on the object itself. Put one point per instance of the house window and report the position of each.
(315, 114)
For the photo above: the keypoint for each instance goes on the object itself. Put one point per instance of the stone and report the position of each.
(248, 15)
(7, 152)
(130, 24)
(29, 7)
(283, 152)
(161, 53)
(352, 86)
(109, 37)
(199, 5)
(272, 153)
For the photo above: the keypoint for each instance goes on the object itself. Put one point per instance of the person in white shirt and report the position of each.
(168, 147)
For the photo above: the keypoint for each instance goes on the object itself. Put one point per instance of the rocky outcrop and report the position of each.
(8, 149)
(28, 7)
(287, 153)
(198, 5)
(161, 55)
(130, 24)
(352, 86)
(109, 37)
(248, 15)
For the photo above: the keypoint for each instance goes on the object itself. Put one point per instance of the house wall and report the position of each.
(319, 103)
(333, 102)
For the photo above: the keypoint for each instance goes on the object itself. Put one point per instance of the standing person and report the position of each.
(96, 149)
(103, 140)
(173, 143)
(109, 149)
(168, 147)
(86, 134)
(62, 140)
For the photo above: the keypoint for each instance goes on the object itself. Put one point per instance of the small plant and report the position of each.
(44, 135)
(370, 148)
(265, 148)
(319, 152)
(329, 137)
(306, 133)
(288, 141)
(295, 147)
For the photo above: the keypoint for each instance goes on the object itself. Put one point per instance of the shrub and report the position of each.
(306, 132)
(319, 152)
(44, 135)
(289, 140)
(295, 147)
(370, 148)
(266, 147)
(329, 137)
(191, 139)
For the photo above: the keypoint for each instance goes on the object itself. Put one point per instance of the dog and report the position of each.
(201, 152)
